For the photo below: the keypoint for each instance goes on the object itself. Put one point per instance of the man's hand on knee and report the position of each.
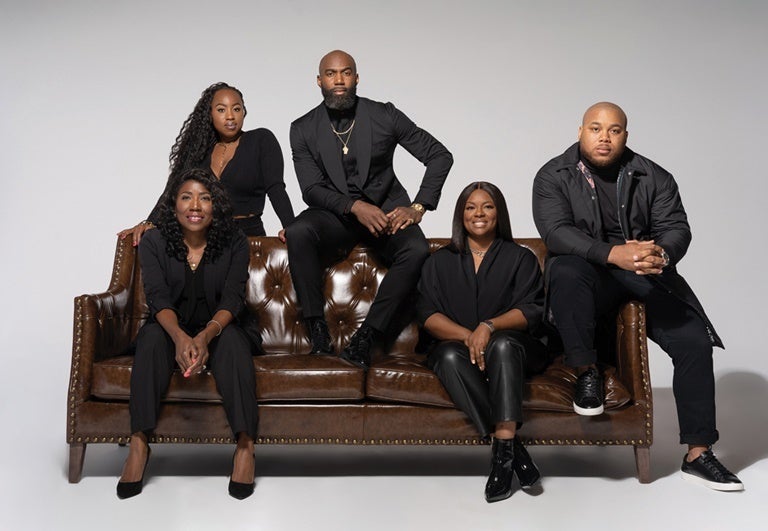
(370, 216)
(644, 258)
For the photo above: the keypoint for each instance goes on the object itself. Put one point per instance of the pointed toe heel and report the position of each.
(129, 489)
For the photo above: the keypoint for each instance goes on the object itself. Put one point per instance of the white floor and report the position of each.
(382, 488)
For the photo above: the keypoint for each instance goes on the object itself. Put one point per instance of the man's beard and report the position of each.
(341, 102)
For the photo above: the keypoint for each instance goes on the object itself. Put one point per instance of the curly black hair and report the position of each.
(503, 227)
(197, 135)
(221, 230)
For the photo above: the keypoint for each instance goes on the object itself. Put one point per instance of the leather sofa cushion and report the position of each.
(278, 377)
(403, 379)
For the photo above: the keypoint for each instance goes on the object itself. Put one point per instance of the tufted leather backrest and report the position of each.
(350, 287)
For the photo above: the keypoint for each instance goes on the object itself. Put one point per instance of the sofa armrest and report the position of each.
(106, 323)
(632, 353)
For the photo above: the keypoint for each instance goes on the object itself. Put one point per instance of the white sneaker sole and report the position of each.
(588, 412)
(729, 487)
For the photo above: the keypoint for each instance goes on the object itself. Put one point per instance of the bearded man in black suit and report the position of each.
(342, 153)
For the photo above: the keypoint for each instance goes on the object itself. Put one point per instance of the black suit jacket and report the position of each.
(379, 128)
(164, 276)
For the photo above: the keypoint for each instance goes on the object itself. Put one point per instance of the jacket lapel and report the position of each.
(363, 144)
(329, 152)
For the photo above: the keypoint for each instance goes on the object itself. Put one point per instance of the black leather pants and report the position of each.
(496, 394)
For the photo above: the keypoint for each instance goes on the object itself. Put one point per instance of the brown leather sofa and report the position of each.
(325, 400)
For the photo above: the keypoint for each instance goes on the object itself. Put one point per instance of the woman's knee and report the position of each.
(150, 338)
(233, 346)
(448, 357)
(506, 349)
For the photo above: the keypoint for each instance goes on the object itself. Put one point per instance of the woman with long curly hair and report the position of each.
(195, 268)
(249, 164)
(481, 299)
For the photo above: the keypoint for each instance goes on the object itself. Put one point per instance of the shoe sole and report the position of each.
(499, 498)
(588, 412)
(726, 487)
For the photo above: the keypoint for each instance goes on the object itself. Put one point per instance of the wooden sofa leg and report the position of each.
(76, 459)
(643, 462)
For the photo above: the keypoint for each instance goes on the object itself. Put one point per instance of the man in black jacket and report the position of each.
(615, 228)
(342, 153)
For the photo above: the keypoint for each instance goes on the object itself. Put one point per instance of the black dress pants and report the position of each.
(317, 238)
(230, 362)
(581, 292)
(496, 394)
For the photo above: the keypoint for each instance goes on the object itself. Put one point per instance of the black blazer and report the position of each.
(379, 128)
(164, 276)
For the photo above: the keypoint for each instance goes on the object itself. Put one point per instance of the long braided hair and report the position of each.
(197, 135)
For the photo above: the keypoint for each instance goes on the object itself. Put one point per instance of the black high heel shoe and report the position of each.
(129, 489)
(525, 468)
(499, 486)
(241, 490)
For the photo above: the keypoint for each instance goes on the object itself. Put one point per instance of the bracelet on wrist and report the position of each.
(214, 321)
(489, 324)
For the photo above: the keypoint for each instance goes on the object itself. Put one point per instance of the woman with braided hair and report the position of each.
(249, 164)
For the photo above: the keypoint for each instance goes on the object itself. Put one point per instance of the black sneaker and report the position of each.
(359, 349)
(319, 337)
(708, 471)
(588, 398)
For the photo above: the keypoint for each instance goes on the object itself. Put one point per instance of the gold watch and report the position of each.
(418, 207)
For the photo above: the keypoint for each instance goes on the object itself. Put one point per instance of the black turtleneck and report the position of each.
(341, 120)
(607, 198)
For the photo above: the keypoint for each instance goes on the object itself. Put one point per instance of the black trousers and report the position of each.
(496, 394)
(317, 238)
(230, 361)
(581, 292)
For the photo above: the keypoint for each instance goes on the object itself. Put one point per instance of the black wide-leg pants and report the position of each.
(230, 361)
(581, 292)
(496, 394)
(318, 237)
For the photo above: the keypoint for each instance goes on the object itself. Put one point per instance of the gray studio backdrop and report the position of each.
(93, 95)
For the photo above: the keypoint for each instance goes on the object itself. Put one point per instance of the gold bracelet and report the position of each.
(217, 324)
(489, 324)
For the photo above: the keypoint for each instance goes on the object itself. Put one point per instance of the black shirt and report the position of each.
(607, 199)
(508, 277)
(194, 313)
(342, 120)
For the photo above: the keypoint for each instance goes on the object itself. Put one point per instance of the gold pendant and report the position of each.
(345, 150)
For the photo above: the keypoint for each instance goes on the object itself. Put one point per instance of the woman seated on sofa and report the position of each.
(479, 298)
(248, 164)
(195, 268)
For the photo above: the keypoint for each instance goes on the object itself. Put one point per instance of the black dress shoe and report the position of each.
(499, 486)
(129, 489)
(241, 490)
(524, 466)
(359, 349)
(319, 337)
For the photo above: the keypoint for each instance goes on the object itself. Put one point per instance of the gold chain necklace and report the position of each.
(338, 134)
(194, 263)
(478, 253)
(224, 152)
